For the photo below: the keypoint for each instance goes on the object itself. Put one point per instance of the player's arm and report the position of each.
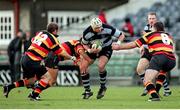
(124, 46)
(137, 43)
(85, 43)
(120, 38)
(84, 55)
(61, 52)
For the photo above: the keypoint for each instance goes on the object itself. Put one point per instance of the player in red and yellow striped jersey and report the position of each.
(160, 45)
(75, 48)
(43, 43)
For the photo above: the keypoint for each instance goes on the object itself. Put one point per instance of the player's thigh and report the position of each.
(103, 60)
(142, 65)
(83, 65)
(32, 68)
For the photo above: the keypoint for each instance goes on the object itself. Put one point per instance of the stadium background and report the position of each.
(73, 17)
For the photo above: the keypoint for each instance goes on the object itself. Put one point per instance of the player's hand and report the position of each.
(95, 50)
(115, 46)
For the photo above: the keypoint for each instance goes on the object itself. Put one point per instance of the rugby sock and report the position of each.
(103, 78)
(142, 76)
(159, 82)
(42, 85)
(21, 83)
(166, 86)
(151, 90)
(85, 80)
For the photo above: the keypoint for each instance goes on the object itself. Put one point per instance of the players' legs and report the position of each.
(47, 80)
(141, 67)
(167, 90)
(160, 79)
(29, 75)
(150, 75)
(21, 83)
(103, 60)
(85, 76)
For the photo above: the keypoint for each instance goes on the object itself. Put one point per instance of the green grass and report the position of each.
(70, 97)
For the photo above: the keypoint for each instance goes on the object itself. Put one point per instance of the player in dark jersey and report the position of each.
(146, 56)
(97, 31)
(160, 45)
(32, 62)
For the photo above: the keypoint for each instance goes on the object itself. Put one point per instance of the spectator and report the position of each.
(15, 49)
(128, 29)
(102, 16)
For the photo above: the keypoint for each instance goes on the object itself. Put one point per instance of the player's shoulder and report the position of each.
(148, 34)
(147, 28)
(106, 26)
(88, 29)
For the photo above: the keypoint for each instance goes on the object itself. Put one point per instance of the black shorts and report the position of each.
(106, 51)
(161, 62)
(146, 54)
(32, 68)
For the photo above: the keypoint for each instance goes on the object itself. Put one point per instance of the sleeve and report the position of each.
(143, 40)
(84, 38)
(78, 48)
(117, 33)
(56, 48)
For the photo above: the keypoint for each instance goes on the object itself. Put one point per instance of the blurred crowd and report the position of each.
(15, 50)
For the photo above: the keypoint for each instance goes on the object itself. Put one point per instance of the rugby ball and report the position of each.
(97, 44)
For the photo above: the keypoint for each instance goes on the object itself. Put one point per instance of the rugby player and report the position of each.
(73, 48)
(160, 46)
(146, 56)
(33, 60)
(103, 33)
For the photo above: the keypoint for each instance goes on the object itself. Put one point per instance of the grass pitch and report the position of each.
(70, 98)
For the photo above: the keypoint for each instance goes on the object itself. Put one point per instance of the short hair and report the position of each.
(159, 26)
(152, 13)
(51, 27)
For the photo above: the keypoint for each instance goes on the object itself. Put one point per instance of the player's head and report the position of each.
(152, 18)
(96, 24)
(158, 26)
(52, 28)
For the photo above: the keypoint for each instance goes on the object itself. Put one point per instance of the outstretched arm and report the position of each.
(123, 46)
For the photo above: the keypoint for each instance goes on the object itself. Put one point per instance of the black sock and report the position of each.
(103, 78)
(151, 90)
(85, 81)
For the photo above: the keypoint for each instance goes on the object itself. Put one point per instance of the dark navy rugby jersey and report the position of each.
(148, 28)
(105, 35)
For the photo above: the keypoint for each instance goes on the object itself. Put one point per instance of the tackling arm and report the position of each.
(124, 46)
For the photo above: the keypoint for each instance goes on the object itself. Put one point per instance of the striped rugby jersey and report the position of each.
(105, 36)
(158, 43)
(72, 47)
(42, 44)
